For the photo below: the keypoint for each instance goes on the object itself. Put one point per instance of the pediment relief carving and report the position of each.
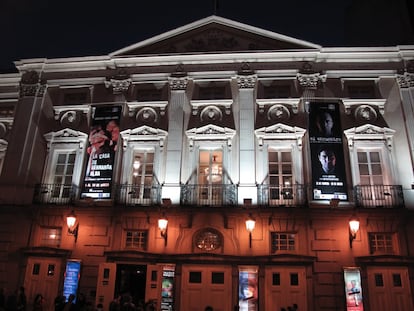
(210, 132)
(207, 106)
(280, 132)
(67, 136)
(148, 112)
(143, 133)
(70, 116)
(369, 132)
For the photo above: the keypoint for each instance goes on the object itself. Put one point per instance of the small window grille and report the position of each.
(381, 243)
(283, 241)
(51, 237)
(136, 239)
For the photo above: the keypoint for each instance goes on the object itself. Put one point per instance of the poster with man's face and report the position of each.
(327, 155)
(103, 143)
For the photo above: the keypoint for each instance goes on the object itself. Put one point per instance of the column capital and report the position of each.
(246, 81)
(310, 80)
(119, 86)
(405, 80)
(30, 85)
(178, 83)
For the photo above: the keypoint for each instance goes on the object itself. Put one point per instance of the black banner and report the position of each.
(103, 143)
(328, 164)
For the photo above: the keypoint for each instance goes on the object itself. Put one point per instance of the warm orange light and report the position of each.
(354, 226)
(162, 224)
(250, 224)
(71, 220)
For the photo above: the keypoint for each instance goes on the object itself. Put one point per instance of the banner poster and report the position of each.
(71, 281)
(167, 289)
(103, 142)
(248, 291)
(353, 290)
(327, 154)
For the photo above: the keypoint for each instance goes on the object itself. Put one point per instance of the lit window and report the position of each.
(51, 237)
(282, 241)
(381, 243)
(136, 239)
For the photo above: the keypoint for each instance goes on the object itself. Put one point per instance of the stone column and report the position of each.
(178, 99)
(24, 161)
(247, 164)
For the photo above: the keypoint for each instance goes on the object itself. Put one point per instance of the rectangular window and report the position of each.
(217, 92)
(217, 278)
(381, 243)
(276, 279)
(75, 98)
(277, 91)
(294, 279)
(142, 176)
(149, 95)
(379, 281)
(396, 280)
(282, 241)
(280, 178)
(210, 177)
(136, 239)
(51, 237)
(62, 179)
(195, 277)
(36, 269)
(362, 91)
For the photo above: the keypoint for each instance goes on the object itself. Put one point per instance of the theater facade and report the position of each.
(215, 164)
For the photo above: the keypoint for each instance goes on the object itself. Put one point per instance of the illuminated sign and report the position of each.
(353, 290)
(328, 163)
(72, 275)
(103, 143)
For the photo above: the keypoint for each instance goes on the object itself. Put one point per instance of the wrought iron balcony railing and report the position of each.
(281, 195)
(137, 194)
(379, 196)
(58, 194)
(209, 194)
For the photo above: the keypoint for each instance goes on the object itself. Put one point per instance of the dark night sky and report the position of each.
(50, 28)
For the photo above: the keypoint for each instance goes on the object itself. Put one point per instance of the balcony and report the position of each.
(58, 194)
(138, 194)
(281, 195)
(379, 196)
(209, 194)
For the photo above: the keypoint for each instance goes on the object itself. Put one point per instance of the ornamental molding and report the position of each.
(178, 83)
(369, 132)
(246, 81)
(352, 103)
(6, 125)
(289, 103)
(135, 107)
(280, 131)
(196, 105)
(3, 145)
(405, 80)
(211, 113)
(210, 132)
(143, 133)
(310, 80)
(70, 115)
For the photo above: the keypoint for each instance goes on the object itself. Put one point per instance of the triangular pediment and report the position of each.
(369, 131)
(279, 131)
(214, 34)
(65, 135)
(143, 133)
(210, 131)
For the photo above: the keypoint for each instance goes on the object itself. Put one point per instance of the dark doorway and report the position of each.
(130, 281)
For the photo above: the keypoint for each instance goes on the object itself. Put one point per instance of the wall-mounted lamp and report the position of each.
(353, 229)
(250, 224)
(162, 225)
(73, 226)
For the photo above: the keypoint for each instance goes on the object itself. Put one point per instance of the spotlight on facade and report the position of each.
(162, 226)
(250, 224)
(73, 226)
(353, 229)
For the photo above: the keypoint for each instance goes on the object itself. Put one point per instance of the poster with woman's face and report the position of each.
(103, 143)
(353, 290)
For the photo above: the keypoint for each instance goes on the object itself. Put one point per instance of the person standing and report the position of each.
(21, 299)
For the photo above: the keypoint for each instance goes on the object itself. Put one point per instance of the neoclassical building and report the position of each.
(215, 164)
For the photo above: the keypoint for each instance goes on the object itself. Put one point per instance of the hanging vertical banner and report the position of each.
(167, 289)
(71, 281)
(103, 142)
(327, 154)
(248, 291)
(353, 289)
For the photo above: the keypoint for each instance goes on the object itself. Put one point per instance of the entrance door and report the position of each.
(285, 286)
(106, 284)
(389, 289)
(42, 277)
(203, 286)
